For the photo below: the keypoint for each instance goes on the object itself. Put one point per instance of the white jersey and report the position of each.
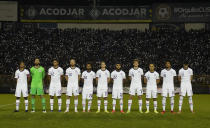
(186, 74)
(55, 74)
(73, 76)
(136, 78)
(21, 77)
(168, 78)
(103, 78)
(118, 79)
(88, 80)
(151, 79)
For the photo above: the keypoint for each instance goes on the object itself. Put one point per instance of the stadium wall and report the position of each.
(140, 27)
(194, 26)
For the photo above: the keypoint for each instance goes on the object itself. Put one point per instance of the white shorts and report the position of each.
(72, 90)
(134, 90)
(168, 92)
(102, 93)
(151, 93)
(87, 94)
(55, 90)
(117, 94)
(21, 89)
(186, 88)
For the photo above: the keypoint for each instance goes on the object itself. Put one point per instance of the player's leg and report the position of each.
(26, 103)
(140, 93)
(132, 93)
(17, 104)
(33, 93)
(59, 103)
(68, 95)
(120, 95)
(90, 100)
(105, 101)
(43, 103)
(99, 94)
(164, 95)
(76, 94)
(148, 96)
(181, 97)
(51, 102)
(190, 94)
(154, 96)
(114, 97)
(171, 95)
(84, 97)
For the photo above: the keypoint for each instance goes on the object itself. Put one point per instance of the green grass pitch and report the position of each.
(200, 119)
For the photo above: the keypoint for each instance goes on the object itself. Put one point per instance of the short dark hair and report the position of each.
(135, 60)
(55, 59)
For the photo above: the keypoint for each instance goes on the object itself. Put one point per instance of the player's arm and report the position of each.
(157, 81)
(145, 80)
(79, 77)
(96, 80)
(191, 76)
(43, 74)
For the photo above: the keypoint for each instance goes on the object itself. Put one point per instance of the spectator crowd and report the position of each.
(110, 46)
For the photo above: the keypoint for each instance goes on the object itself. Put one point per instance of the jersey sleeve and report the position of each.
(191, 72)
(83, 75)
(61, 71)
(43, 72)
(174, 73)
(108, 74)
(97, 73)
(79, 72)
(180, 72)
(67, 72)
(157, 76)
(130, 73)
(94, 75)
(16, 74)
(49, 72)
(142, 72)
(112, 75)
(124, 77)
(161, 73)
(27, 72)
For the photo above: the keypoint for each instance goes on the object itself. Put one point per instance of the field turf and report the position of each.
(200, 119)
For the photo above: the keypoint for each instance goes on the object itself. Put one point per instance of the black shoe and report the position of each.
(59, 110)
(51, 110)
(16, 111)
(26, 110)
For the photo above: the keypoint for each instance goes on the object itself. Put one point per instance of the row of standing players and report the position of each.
(103, 77)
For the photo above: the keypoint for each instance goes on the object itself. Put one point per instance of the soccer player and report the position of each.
(38, 75)
(22, 77)
(118, 76)
(102, 80)
(135, 75)
(185, 77)
(167, 75)
(151, 79)
(87, 76)
(55, 76)
(73, 77)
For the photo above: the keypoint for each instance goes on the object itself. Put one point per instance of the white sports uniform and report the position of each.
(73, 81)
(22, 86)
(117, 91)
(168, 82)
(151, 89)
(186, 86)
(87, 91)
(102, 89)
(136, 84)
(55, 82)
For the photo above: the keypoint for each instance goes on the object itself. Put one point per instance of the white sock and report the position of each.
(155, 105)
(121, 104)
(105, 105)
(164, 103)
(140, 105)
(172, 103)
(180, 103)
(99, 105)
(147, 105)
(89, 104)
(67, 104)
(59, 103)
(17, 104)
(26, 104)
(75, 104)
(114, 104)
(51, 104)
(83, 104)
(129, 104)
(191, 103)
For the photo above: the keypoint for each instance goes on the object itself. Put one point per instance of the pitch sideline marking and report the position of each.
(1, 106)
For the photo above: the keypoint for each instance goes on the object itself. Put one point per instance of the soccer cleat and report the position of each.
(128, 112)
(155, 111)
(26, 110)
(113, 111)
(66, 111)
(98, 111)
(179, 112)
(59, 111)
(16, 111)
(44, 111)
(147, 111)
(76, 111)
(141, 111)
(51, 110)
(122, 111)
(163, 112)
(106, 111)
(32, 111)
(192, 111)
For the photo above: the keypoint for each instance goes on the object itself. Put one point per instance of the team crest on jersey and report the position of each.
(40, 70)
